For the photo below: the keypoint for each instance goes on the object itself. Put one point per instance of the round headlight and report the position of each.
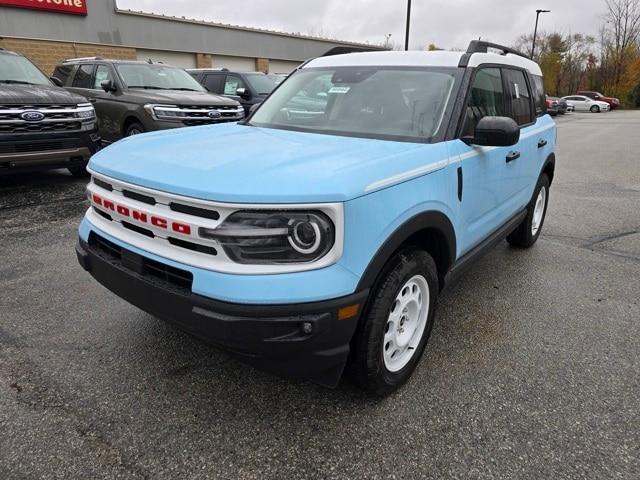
(304, 236)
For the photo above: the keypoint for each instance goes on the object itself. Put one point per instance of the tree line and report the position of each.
(608, 63)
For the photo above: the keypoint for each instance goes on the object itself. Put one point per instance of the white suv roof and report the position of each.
(431, 59)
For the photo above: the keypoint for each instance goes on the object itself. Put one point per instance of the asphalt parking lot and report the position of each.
(533, 370)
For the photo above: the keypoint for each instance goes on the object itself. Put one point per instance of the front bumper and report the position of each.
(275, 338)
(29, 152)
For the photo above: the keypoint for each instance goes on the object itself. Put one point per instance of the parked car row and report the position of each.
(60, 121)
(584, 101)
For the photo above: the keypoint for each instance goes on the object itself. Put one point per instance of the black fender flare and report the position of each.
(549, 166)
(432, 220)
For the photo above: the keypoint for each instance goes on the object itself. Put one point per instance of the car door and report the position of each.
(485, 176)
(521, 170)
(108, 109)
(582, 103)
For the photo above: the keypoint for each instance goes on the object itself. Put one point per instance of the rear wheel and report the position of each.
(529, 230)
(595, 109)
(397, 323)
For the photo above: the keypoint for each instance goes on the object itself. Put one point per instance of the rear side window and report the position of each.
(539, 96)
(214, 82)
(519, 95)
(83, 76)
(63, 72)
(485, 99)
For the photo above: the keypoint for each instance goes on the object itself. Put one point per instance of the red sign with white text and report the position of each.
(74, 7)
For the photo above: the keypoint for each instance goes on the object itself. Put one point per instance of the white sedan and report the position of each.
(581, 103)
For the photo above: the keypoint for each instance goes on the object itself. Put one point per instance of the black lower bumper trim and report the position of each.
(300, 340)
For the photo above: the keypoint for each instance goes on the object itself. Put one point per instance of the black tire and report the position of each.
(523, 236)
(78, 172)
(367, 365)
(134, 128)
(595, 109)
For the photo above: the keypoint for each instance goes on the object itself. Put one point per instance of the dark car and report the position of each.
(133, 97)
(559, 104)
(42, 126)
(612, 101)
(248, 88)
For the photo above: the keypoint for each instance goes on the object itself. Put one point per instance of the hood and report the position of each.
(180, 97)
(245, 164)
(15, 94)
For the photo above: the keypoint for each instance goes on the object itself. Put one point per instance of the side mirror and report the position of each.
(495, 132)
(108, 86)
(243, 92)
(56, 81)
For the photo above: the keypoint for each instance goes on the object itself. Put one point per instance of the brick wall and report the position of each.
(204, 60)
(262, 65)
(48, 54)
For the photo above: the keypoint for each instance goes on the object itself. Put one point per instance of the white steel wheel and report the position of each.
(406, 323)
(538, 210)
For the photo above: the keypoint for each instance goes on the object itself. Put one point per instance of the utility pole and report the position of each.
(406, 38)
(535, 31)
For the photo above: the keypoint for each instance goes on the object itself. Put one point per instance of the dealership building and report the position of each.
(50, 31)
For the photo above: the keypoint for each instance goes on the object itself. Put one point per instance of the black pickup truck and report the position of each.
(42, 126)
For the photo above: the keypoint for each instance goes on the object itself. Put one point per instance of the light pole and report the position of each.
(535, 31)
(406, 37)
(387, 41)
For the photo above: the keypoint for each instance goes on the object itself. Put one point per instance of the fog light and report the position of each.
(307, 328)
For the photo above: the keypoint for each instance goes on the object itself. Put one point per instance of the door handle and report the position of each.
(512, 156)
(542, 142)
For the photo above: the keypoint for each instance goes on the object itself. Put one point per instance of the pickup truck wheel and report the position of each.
(397, 323)
(78, 172)
(595, 109)
(134, 128)
(529, 230)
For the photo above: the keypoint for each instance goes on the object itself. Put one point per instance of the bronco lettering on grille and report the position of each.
(142, 217)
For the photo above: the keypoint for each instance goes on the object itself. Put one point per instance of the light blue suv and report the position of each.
(317, 234)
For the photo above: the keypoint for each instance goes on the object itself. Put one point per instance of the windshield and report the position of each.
(261, 83)
(400, 103)
(17, 69)
(157, 77)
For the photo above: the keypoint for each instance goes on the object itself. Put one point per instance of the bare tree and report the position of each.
(621, 31)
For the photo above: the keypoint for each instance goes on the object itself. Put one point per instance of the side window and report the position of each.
(540, 97)
(102, 73)
(519, 95)
(83, 76)
(214, 83)
(486, 98)
(62, 72)
(232, 84)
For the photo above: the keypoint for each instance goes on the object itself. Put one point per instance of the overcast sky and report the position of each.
(447, 23)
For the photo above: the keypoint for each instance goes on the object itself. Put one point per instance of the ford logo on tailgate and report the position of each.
(32, 116)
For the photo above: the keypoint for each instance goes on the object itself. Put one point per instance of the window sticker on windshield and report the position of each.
(339, 89)
(517, 90)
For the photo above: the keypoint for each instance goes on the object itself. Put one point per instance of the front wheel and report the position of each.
(595, 109)
(78, 172)
(529, 230)
(397, 323)
(134, 128)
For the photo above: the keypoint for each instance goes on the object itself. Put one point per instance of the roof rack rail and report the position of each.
(80, 59)
(343, 50)
(480, 46)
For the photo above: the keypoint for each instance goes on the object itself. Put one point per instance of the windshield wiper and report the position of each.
(184, 89)
(21, 82)
(148, 87)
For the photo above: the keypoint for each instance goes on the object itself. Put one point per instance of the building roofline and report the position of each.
(194, 21)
